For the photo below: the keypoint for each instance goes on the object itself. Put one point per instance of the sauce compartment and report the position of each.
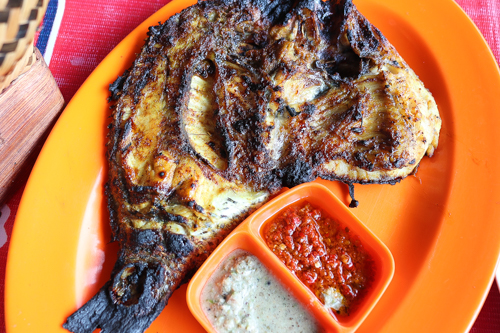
(249, 237)
(242, 239)
(325, 255)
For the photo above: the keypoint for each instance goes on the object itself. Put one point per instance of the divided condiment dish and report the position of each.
(249, 237)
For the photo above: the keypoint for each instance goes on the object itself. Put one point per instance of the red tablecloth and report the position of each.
(77, 35)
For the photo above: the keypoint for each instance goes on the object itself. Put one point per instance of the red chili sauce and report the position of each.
(323, 254)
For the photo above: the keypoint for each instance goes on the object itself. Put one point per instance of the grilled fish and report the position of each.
(228, 102)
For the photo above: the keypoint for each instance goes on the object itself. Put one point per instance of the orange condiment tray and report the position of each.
(441, 225)
(248, 237)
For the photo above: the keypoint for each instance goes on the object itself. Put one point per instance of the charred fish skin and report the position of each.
(228, 102)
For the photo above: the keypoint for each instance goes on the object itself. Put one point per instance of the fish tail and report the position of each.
(129, 302)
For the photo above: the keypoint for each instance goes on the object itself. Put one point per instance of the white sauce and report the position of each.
(242, 296)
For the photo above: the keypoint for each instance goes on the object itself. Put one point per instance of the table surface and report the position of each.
(76, 35)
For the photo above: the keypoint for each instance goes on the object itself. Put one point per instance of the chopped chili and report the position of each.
(325, 255)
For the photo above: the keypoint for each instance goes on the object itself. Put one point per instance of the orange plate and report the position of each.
(248, 237)
(441, 225)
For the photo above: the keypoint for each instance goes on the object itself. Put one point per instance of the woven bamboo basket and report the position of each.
(19, 21)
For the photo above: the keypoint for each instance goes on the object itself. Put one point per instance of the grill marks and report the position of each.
(200, 117)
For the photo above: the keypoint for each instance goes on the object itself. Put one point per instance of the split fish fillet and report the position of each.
(227, 103)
